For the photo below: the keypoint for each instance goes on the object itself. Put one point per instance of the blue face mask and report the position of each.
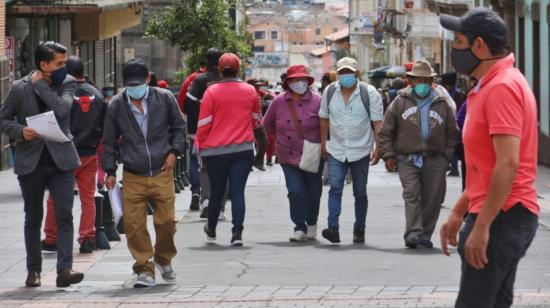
(137, 92)
(347, 80)
(422, 89)
(59, 75)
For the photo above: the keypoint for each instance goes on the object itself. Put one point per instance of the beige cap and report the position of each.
(348, 63)
(422, 68)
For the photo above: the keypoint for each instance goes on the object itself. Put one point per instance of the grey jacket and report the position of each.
(123, 137)
(21, 103)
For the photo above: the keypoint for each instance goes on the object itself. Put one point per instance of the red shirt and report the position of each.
(502, 104)
(229, 111)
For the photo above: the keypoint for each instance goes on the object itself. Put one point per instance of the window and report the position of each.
(259, 48)
(259, 35)
(334, 30)
(87, 52)
(318, 31)
(274, 35)
(110, 60)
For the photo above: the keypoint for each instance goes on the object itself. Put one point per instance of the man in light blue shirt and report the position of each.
(353, 131)
(142, 118)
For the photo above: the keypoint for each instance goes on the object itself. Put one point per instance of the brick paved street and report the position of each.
(269, 271)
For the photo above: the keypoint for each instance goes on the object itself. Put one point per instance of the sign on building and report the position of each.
(9, 43)
(270, 59)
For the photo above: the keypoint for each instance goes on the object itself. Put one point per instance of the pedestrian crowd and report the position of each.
(420, 126)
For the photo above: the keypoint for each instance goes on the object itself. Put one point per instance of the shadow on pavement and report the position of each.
(290, 244)
(217, 247)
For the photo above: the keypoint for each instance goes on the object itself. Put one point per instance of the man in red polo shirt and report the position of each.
(500, 142)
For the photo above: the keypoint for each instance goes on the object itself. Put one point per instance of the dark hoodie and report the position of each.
(87, 116)
(195, 94)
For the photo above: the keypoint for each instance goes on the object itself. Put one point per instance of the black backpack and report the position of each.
(363, 90)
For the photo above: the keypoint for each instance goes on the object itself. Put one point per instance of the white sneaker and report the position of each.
(167, 272)
(222, 216)
(204, 204)
(298, 236)
(312, 232)
(144, 280)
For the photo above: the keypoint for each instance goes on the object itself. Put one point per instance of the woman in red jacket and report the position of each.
(229, 111)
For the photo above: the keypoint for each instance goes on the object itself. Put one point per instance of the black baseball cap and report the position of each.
(478, 22)
(134, 73)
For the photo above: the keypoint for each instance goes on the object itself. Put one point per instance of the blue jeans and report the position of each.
(234, 167)
(194, 174)
(304, 194)
(337, 171)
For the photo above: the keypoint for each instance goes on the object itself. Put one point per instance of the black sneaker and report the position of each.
(359, 236)
(204, 213)
(259, 166)
(411, 244)
(195, 202)
(48, 247)
(210, 234)
(237, 239)
(332, 235)
(454, 173)
(88, 246)
(425, 244)
(269, 163)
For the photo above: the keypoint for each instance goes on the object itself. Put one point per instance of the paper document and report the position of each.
(45, 124)
(115, 196)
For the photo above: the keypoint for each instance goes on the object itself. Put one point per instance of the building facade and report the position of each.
(4, 78)
(532, 49)
(89, 29)
(293, 33)
(164, 60)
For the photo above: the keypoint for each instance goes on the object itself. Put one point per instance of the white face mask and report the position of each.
(299, 87)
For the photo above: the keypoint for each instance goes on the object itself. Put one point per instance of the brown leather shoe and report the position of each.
(67, 277)
(33, 280)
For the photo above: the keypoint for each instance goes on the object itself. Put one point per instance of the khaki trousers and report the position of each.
(136, 193)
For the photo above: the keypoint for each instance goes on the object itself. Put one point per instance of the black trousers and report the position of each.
(61, 186)
(261, 144)
(511, 234)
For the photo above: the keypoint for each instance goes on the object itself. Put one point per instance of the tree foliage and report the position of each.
(196, 25)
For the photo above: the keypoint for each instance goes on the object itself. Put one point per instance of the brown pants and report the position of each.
(423, 192)
(136, 193)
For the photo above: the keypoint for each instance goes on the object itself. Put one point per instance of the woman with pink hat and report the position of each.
(293, 117)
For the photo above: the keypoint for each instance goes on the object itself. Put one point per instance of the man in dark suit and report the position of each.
(42, 163)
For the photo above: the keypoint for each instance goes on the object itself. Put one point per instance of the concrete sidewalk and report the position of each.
(269, 271)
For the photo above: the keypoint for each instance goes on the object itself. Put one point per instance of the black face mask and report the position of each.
(59, 75)
(464, 61)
